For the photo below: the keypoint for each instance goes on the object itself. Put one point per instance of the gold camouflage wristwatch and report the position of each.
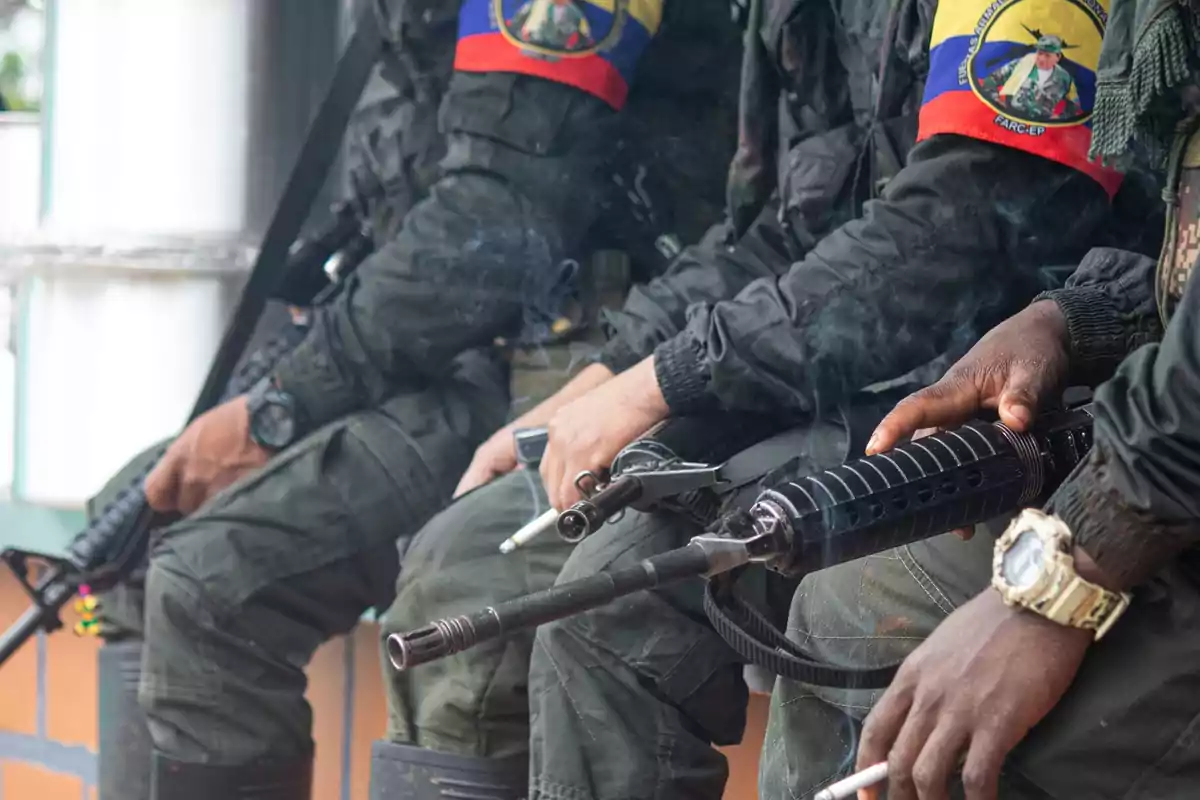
(1033, 568)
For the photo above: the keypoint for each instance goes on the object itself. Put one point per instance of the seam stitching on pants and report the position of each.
(925, 582)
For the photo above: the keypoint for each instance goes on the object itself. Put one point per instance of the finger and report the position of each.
(1023, 393)
(981, 771)
(192, 495)
(551, 472)
(909, 744)
(476, 475)
(944, 404)
(932, 771)
(883, 724)
(162, 484)
(568, 491)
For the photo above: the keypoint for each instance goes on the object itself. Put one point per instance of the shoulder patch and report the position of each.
(593, 45)
(1021, 73)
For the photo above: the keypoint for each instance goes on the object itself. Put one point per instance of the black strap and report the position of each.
(755, 639)
(320, 150)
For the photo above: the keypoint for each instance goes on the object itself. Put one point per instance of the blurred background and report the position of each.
(143, 147)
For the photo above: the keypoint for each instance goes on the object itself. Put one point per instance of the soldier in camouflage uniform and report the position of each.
(499, 180)
(1035, 88)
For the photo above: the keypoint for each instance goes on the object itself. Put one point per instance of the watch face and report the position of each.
(1024, 561)
(274, 425)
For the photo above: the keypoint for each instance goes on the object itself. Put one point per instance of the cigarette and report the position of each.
(847, 786)
(536, 528)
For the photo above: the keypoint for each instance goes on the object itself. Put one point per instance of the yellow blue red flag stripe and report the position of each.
(593, 45)
(1021, 73)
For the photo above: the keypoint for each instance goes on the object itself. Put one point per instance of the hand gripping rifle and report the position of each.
(676, 465)
(114, 544)
(920, 489)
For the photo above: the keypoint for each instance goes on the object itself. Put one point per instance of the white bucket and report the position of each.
(113, 344)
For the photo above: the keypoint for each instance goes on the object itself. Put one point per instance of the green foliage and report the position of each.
(12, 76)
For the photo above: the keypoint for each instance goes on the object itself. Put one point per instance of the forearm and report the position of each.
(951, 249)
(540, 415)
(1133, 505)
(1110, 311)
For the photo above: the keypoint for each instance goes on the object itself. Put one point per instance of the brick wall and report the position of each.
(48, 716)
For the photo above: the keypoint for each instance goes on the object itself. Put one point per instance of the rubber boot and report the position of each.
(125, 746)
(401, 772)
(176, 780)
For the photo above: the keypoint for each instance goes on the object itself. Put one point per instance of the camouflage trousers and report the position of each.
(238, 597)
(473, 703)
(1126, 729)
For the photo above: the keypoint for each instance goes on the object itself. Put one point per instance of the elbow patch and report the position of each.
(593, 45)
(1019, 73)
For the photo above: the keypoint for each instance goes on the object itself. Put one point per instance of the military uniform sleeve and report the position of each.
(1110, 311)
(1134, 504)
(709, 271)
(470, 258)
(948, 251)
(486, 249)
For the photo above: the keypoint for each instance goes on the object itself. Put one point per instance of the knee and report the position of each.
(178, 643)
(178, 612)
(635, 537)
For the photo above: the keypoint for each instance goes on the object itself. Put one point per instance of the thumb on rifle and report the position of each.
(162, 484)
(950, 401)
(1026, 386)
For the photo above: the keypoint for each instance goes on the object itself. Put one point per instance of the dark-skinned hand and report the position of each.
(210, 454)
(967, 696)
(1017, 368)
(1020, 365)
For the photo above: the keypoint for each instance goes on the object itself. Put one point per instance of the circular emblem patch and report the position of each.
(1028, 66)
(557, 28)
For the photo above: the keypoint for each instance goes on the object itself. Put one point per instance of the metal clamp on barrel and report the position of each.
(636, 488)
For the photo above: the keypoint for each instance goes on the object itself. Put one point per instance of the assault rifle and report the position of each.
(920, 489)
(115, 543)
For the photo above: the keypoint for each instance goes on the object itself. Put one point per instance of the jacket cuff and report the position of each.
(315, 383)
(683, 375)
(1094, 327)
(1128, 545)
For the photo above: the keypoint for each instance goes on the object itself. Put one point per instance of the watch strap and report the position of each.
(1064, 596)
(1082, 604)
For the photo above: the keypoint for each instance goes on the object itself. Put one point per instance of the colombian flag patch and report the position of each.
(593, 45)
(1020, 73)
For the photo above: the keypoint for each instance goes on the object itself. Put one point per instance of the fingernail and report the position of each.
(873, 443)
(1022, 414)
